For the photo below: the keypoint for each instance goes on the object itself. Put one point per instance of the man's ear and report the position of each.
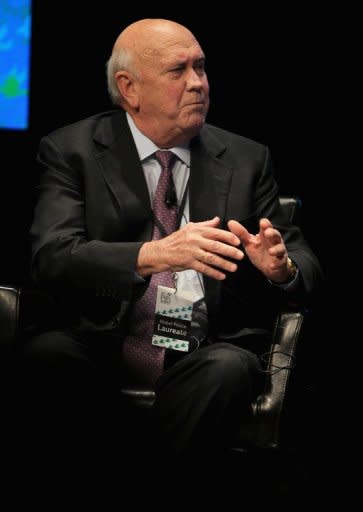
(127, 86)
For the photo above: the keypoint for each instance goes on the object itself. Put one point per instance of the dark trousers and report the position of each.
(72, 411)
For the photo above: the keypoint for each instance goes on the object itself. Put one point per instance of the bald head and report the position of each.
(157, 55)
(138, 43)
(148, 37)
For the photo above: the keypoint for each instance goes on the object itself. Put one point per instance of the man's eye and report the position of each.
(200, 69)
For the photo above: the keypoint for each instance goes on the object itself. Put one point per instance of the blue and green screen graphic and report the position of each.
(15, 39)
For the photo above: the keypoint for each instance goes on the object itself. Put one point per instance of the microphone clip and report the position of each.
(170, 198)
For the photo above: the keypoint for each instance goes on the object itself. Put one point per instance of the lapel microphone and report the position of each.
(170, 197)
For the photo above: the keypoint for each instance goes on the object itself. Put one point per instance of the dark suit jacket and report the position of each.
(93, 213)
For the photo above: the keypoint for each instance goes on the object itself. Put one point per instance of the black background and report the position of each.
(285, 78)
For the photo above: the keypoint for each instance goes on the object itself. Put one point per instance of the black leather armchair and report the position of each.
(22, 309)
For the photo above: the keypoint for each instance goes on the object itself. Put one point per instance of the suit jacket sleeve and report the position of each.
(65, 254)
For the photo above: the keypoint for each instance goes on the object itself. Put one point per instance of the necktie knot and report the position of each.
(165, 158)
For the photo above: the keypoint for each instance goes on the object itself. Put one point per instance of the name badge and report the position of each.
(173, 315)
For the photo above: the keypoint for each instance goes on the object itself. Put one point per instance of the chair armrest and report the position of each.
(262, 428)
(9, 316)
(281, 361)
(23, 312)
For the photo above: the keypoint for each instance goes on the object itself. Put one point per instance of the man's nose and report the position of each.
(194, 80)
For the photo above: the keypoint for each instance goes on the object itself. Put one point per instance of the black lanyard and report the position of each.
(179, 214)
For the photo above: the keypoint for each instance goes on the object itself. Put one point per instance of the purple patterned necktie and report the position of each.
(144, 361)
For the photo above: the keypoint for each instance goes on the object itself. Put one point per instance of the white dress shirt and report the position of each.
(187, 280)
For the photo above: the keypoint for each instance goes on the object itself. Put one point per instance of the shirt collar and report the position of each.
(145, 147)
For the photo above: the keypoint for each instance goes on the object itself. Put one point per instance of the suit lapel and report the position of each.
(123, 173)
(210, 181)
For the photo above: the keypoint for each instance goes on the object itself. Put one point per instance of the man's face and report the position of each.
(173, 90)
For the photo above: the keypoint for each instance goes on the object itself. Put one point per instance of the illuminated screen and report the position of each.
(15, 32)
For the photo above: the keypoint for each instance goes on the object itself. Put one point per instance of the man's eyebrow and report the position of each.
(182, 62)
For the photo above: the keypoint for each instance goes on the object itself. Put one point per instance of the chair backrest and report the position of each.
(292, 206)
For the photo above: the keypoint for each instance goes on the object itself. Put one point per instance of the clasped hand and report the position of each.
(205, 248)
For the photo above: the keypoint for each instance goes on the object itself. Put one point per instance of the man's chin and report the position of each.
(195, 120)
